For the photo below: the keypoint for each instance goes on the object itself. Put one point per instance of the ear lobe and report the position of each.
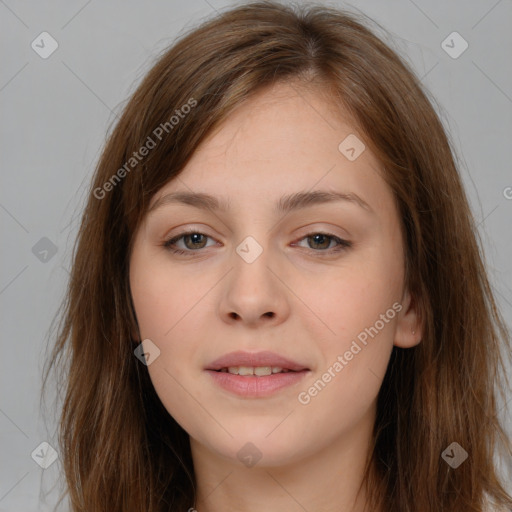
(408, 329)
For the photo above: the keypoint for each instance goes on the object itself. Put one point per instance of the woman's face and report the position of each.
(316, 283)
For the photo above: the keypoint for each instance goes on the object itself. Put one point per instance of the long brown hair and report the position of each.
(120, 448)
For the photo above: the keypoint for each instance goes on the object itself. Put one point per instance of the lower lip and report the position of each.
(256, 387)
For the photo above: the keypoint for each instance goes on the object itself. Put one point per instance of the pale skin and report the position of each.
(198, 307)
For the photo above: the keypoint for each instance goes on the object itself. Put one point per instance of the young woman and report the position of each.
(278, 300)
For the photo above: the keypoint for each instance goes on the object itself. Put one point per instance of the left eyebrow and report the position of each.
(287, 203)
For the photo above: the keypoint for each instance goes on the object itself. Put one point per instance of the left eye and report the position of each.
(319, 238)
(198, 240)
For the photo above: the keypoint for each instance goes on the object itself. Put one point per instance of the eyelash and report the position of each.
(342, 244)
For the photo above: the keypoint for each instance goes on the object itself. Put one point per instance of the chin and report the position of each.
(258, 448)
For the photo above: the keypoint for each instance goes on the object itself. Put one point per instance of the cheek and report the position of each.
(162, 297)
(354, 297)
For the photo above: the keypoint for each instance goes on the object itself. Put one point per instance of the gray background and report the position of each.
(56, 113)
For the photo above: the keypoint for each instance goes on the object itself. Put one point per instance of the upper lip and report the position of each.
(254, 359)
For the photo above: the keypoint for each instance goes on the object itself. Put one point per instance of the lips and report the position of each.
(255, 359)
(272, 374)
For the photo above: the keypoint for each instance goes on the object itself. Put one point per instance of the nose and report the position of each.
(253, 293)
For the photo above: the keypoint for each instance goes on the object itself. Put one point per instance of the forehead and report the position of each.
(284, 139)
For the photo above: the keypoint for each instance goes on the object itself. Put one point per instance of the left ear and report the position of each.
(408, 329)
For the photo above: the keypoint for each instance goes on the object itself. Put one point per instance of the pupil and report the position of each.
(194, 238)
(315, 238)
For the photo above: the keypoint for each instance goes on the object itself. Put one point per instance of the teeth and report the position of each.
(259, 371)
(263, 370)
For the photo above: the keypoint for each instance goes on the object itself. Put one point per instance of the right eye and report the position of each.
(195, 237)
